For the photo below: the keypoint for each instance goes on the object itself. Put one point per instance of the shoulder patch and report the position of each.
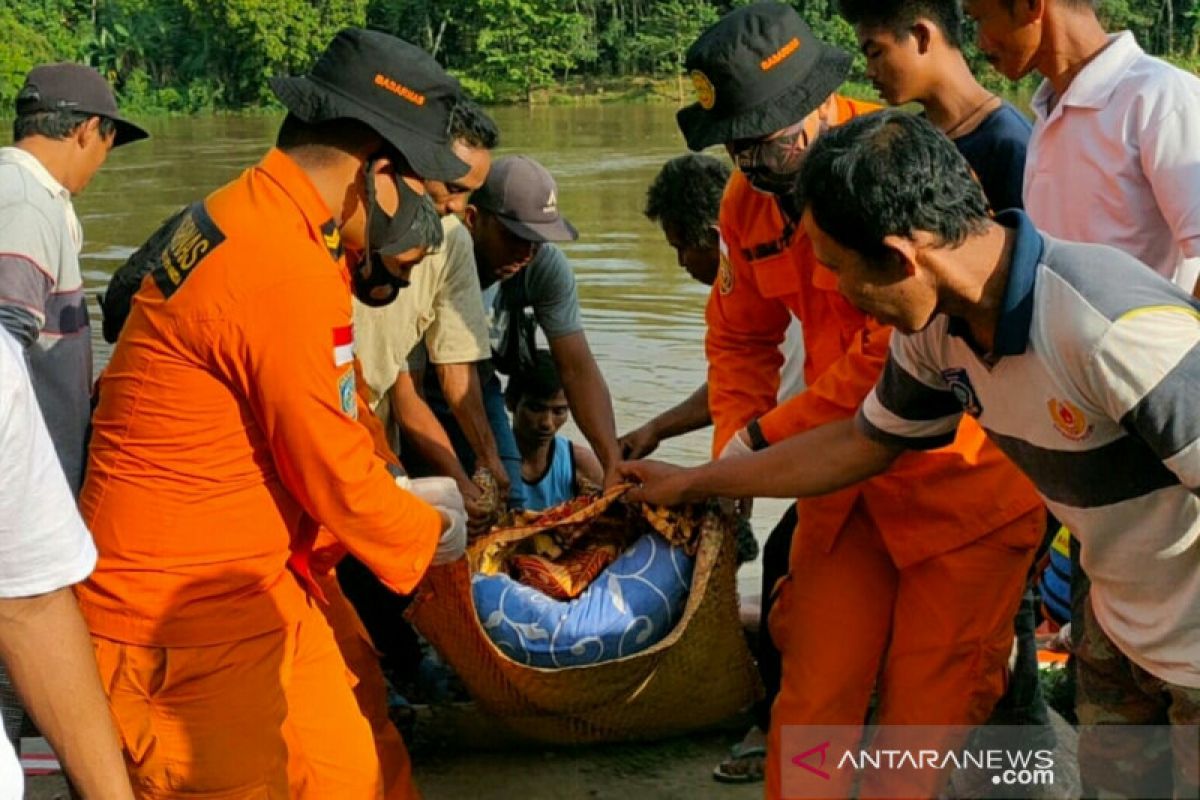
(195, 236)
(346, 394)
(332, 239)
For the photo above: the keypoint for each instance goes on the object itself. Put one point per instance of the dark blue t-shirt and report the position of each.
(996, 151)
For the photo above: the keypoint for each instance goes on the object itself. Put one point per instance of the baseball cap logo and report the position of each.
(706, 94)
(551, 206)
(802, 760)
(776, 58)
(399, 89)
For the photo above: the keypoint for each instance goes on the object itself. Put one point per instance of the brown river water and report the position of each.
(643, 314)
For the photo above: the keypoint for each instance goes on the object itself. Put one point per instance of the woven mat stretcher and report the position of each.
(700, 674)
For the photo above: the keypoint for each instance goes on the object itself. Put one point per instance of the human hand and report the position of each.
(639, 443)
(444, 495)
(658, 483)
(495, 466)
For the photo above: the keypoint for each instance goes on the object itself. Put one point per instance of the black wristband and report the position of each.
(757, 440)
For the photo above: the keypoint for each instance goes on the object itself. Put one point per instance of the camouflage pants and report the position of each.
(1113, 694)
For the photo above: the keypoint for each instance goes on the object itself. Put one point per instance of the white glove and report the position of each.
(735, 447)
(442, 494)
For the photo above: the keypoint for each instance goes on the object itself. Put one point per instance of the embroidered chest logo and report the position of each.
(960, 386)
(194, 237)
(1069, 419)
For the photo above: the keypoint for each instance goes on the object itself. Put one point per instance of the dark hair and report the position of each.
(471, 124)
(57, 124)
(890, 173)
(538, 380)
(898, 16)
(344, 134)
(686, 194)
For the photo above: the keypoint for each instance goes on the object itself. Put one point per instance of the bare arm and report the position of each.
(460, 386)
(816, 462)
(689, 415)
(48, 652)
(421, 427)
(587, 394)
(587, 466)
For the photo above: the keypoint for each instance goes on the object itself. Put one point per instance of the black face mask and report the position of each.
(387, 235)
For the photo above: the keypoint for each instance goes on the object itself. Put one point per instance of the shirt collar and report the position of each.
(1016, 314)
(294, 182)
(23, 158)
(1096, 82)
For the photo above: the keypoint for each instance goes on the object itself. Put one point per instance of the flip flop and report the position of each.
(738, 753)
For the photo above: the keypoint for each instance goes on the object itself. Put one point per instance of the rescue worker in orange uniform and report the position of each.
(226, 435)
(907, 582)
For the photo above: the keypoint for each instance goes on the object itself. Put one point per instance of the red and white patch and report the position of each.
(343, 345)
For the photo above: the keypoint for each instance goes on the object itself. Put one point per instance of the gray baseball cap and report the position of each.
(524, 197)
(74, 87)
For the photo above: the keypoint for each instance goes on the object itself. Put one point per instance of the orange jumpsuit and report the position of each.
(911, 577)
(226, 426)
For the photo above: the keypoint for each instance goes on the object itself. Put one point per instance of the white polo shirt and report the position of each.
(1090, 391)
(1116, 160)
(44, 545)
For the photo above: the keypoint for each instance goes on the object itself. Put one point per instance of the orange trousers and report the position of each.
(934, 638)
(272, 716)
(370, 689)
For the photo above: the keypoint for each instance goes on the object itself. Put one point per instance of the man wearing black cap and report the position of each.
(227, 435)
(514, 221)
(66, 124)
(887, 566)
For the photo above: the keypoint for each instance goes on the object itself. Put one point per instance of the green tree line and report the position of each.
(199, 55)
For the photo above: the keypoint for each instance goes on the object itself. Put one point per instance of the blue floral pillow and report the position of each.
(630, 606)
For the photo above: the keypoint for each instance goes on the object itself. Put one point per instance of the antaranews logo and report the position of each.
(903, 761)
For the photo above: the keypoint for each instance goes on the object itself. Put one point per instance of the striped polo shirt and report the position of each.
(42, 302)
(1092, 391)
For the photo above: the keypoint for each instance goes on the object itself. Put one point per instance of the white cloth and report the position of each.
(1116, 159)
(44, 545)
(442, 494)
(791, 374)
(735, 447)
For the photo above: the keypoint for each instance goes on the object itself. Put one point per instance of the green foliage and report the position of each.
(185, 56)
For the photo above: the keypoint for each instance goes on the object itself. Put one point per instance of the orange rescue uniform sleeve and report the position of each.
(302, 392)
(742, 342)
(838, 391)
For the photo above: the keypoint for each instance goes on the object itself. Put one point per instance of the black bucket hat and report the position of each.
(757, 70)
(74, 87)
(394, 87)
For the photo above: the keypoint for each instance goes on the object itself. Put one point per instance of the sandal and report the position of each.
(744, 765)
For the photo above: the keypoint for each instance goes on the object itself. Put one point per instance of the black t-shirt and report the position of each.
(996, 151)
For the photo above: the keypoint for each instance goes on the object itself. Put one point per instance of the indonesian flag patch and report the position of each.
(343, 345)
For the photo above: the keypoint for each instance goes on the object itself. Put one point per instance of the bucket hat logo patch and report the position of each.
(399, 89)
(705, 93)
(773, 60)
